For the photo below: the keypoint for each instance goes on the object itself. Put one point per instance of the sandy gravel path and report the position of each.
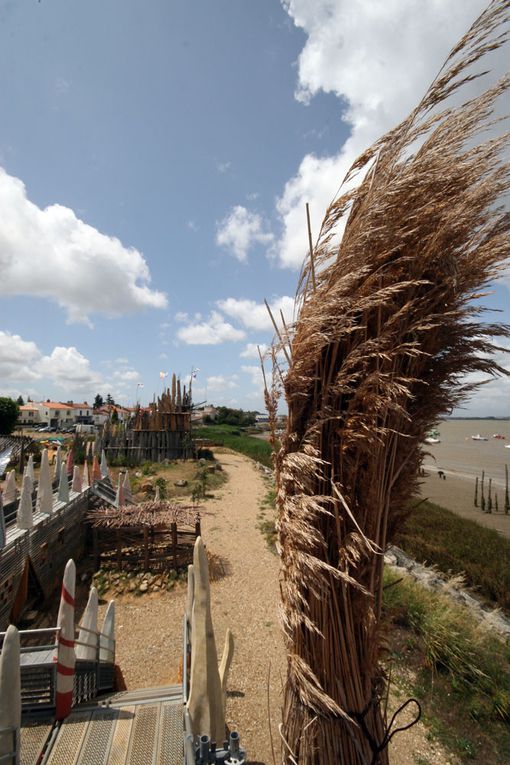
(246, 600)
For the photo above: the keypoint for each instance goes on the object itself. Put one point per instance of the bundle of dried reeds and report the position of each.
(152, 513)
(386, 330)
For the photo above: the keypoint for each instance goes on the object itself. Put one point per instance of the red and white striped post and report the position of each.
(70, 462)
(96, 470)
(66, 657)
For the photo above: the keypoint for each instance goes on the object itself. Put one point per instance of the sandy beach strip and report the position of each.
(456, 493)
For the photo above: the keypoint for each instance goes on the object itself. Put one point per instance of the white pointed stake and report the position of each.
(128, 496)
(157, 497)
(10, 697)
(26, 474)
(25, 515)
(119, 496)
(10, 487)
(30, 468)
(104, 465)
(66, 658)
(58, 464)
(107, 639)
(205, 703)
(226, 661)
(191, 588)
(88, 622)
(85, 482)
(63, 487)
(3, 535)
(44, 488)
(76, 484)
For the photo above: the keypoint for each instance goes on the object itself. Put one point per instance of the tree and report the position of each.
(20, 401)
(109, 400)
(98, 402)
(9, 413)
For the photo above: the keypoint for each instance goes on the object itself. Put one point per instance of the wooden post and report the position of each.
(95, 547)
(119, 549)
(146, 548)
(174, 544)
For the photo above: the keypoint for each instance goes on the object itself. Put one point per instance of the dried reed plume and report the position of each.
(386, 331)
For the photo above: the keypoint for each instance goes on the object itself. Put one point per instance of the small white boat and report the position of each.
(507, 446)
(478, 437)
(431, 440)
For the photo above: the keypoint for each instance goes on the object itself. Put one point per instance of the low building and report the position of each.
(55, 414)
(29, 415)
(83, 413)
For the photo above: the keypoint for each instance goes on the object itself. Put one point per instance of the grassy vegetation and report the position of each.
(236, 439)
(437, 536)
(266, 518)
(459, 673)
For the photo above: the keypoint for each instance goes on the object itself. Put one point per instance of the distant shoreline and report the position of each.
(495, 419)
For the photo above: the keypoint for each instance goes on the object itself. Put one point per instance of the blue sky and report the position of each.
(156, 158)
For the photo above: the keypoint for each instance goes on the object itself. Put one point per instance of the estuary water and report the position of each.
(461, 457)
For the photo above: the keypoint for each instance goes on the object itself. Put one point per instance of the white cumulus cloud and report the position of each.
(66, 368)
(214, 331)
(379, 58)
(255, 315)
(51, 253)
(251, 350)
(240, 230)
(222, 382)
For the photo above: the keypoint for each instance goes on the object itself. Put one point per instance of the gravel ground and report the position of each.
(245, 598)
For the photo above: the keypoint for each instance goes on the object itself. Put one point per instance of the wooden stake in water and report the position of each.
(476, 492)
(482, 501)
(507, 498)
(489, 500)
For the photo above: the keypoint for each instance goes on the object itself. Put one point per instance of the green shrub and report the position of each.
(438, 537)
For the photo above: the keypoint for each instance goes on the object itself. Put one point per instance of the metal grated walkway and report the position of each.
(137, 728)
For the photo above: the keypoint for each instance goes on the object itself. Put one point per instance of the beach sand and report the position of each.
(457, 494)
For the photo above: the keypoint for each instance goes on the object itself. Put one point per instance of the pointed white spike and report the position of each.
(88, 622)
(205, 702)
(25, 515)
(3, 535)
(44, 488)
(30, 468)
(85, 482)
(104, 465)
(226, 661)
(58, 463)
(76, 484)
(128, 496)
(119, 496)
(191, 588)
(10, 487)
(63, 487)
(66, 657)
(157, 497)
(26, 474)
(10, 697)
(106, 641)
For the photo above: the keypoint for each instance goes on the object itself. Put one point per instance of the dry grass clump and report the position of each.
(387, 328)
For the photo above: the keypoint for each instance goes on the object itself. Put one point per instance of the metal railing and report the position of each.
(38, 659)
(11, 757)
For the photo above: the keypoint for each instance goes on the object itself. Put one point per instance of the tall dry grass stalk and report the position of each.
(387, 328)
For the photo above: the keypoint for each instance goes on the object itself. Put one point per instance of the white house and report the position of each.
(83, 413)
(55, 414)
(29, 414)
